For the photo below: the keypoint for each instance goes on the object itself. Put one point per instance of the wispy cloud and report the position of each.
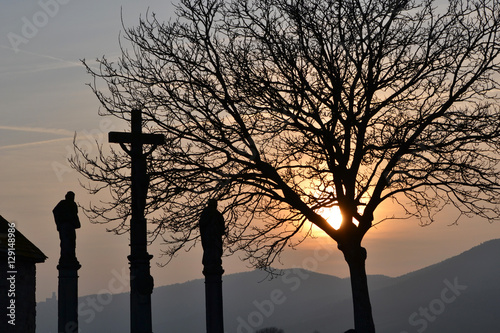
(60, 63)
(30, 144)
(46, 56)
(56, 131)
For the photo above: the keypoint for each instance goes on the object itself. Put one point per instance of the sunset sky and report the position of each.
(44, 101)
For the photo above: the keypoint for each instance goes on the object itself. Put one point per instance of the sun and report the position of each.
(332, 215)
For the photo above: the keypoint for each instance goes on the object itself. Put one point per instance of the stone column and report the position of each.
(67, 302)
(213, 301)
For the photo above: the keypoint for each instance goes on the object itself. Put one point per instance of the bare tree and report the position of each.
(282, 108)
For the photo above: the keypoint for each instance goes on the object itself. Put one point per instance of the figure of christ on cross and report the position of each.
(141, 281)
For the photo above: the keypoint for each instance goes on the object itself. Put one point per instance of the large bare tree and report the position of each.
(282, 108)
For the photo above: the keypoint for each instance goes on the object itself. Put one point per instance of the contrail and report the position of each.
(74, 63)
(20, 145)
(56, 131)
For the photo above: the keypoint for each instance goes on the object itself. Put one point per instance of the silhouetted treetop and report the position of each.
(281, 108)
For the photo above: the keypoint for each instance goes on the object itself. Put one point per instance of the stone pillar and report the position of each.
(67, 303)
(213, 302)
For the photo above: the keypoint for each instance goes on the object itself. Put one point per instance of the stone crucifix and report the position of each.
(141, 281)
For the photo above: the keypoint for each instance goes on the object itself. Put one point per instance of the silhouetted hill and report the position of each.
(461, 294)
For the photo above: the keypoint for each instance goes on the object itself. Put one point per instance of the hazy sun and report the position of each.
(332, 215)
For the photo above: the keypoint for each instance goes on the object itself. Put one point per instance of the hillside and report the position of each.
(461, 294)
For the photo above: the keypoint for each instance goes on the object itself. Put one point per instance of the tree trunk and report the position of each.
(363, 319)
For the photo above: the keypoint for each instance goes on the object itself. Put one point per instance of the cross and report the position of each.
(141, 281)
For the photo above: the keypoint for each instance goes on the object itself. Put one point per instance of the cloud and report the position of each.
(60, 63)
(29, 144)
(56, 131)
(68, 135)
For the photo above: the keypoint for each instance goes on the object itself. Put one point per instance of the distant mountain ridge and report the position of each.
(459, 295)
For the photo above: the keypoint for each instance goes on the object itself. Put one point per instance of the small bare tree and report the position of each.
(282, 108)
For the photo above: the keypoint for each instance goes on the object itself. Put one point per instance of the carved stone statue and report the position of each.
(212, 229)
(66, 218)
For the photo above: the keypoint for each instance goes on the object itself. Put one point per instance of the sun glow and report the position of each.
(332, 215)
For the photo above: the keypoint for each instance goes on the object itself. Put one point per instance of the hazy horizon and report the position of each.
(440, 298)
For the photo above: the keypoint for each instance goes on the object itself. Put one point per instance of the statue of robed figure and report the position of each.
(212, 229)
(67, 221)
